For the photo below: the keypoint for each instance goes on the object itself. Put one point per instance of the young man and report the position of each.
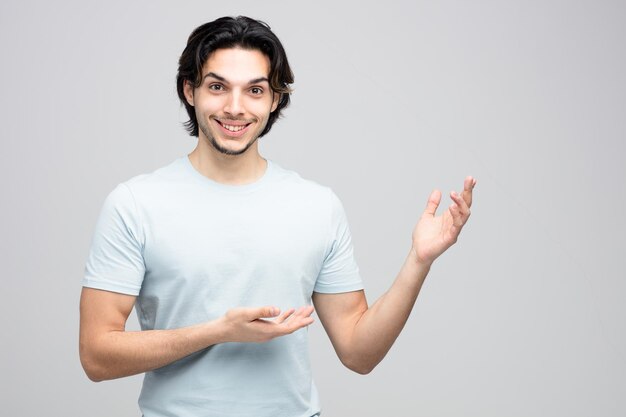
(222, 253)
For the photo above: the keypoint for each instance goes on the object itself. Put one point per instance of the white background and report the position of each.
(524, 317)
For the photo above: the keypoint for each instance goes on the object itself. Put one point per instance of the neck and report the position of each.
(228, 169)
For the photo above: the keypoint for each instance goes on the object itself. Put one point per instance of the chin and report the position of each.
(231, 150)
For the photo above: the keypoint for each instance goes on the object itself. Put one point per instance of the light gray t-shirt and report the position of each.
(190, 249)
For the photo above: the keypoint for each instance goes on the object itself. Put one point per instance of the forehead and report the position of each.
(237, 65)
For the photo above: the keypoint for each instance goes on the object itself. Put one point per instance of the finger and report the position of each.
(301, 312)
(298, 322)
(300, 318)
(468, 187)
(433, 203)
(307, 311)
(457, 217)
(464, 209)
(255, 313)
(284, 316)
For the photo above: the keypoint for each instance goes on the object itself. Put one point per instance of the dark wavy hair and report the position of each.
(232, 32)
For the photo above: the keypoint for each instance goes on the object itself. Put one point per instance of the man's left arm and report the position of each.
(363, 335)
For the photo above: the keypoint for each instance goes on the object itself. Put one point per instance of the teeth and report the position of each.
(234, 128)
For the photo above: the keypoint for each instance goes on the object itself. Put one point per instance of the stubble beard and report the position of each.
(207, 133)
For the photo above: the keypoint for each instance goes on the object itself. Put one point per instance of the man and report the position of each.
(222, 253)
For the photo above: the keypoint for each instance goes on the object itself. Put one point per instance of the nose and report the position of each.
(234, 105)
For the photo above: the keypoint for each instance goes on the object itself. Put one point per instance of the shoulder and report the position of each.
(128, 198)
(170, 172)
(152, 183)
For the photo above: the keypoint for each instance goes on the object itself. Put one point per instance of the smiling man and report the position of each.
(239, 120)
(223, 253)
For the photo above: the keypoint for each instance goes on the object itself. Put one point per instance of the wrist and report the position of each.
(223, 329)
(416, 261)
(216, 331)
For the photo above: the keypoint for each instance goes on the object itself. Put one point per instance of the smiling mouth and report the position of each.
(233, 127)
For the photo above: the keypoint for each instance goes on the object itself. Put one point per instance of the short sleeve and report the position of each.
(115, 262)
(339, 272)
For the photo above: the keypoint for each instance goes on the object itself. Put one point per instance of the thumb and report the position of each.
(433, 203)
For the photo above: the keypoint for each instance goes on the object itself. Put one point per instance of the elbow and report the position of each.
(360, 365)
(94, 371)
(94, 377)
(362, 370)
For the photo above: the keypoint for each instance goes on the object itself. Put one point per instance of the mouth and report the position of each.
(233, 128)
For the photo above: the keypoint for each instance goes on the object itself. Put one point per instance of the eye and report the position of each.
(257, 91)
(216, 87)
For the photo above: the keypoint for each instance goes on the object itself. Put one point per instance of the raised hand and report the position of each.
(262, 324)
(434, 234)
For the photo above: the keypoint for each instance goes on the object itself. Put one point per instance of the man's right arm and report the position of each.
(108, 351)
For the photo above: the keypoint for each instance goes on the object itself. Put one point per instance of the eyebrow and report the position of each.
(220, 78)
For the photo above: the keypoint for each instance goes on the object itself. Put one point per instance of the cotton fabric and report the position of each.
(190, 249)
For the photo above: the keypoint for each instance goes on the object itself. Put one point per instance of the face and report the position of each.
(234, 100)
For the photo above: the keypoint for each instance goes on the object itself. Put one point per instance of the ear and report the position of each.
(188, 90)
(275, 101)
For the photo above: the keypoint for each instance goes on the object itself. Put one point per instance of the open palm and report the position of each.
(434, 234)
